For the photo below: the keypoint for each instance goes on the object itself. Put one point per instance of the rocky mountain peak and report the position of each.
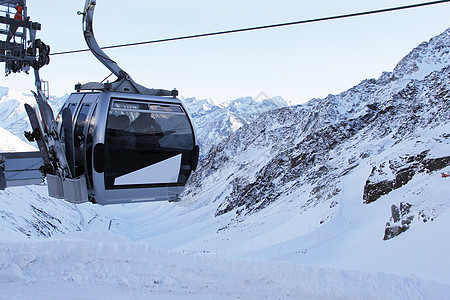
(427, 57)
(303, 154)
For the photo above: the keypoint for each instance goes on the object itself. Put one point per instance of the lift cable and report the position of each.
(365, 13)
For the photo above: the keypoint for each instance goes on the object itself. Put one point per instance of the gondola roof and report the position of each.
(12, 3)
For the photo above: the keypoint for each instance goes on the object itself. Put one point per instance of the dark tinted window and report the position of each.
(140, 134)
(89, 141)
(157, 126)
(79, 138)
(73, 107)
(81, 119)
(74, 100)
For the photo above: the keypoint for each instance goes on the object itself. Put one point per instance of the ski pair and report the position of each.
(58, 160)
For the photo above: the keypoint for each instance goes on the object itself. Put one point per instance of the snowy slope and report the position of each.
(104, 266)
(338, 198)
(82, 259)
(11, 143)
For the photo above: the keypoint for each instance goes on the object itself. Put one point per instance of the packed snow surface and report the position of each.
(101, 265)
(172, 251)
(11, 143)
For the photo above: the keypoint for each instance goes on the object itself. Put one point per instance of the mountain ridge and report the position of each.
(300, 141)
(215, 121)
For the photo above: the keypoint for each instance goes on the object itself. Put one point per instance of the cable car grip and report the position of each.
(124, 82)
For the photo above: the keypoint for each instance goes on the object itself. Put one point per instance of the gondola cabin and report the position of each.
(114, 142)
(129, 147)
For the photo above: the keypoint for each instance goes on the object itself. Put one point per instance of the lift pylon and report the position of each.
(19, 48)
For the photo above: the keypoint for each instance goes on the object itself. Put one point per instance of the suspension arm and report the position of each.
(88, 31)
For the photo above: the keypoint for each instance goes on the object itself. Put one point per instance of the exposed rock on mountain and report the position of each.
(401, 171)
(398, 124)
(400, 221)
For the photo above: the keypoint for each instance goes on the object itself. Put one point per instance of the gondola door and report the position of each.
(81, 123)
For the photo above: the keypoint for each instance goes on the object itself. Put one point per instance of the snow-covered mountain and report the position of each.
(349, 182)
(13, 116)
(369, 159)
(215, 121)
(397, 125)
(11, 143)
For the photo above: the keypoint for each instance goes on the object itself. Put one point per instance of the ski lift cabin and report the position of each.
(131, 147)
(114, 142)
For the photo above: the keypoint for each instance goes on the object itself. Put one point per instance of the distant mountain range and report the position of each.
(216, 121)
(213, 121)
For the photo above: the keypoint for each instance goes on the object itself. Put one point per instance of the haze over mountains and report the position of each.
(349, 182)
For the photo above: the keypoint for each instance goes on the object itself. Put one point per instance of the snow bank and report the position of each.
(101, 265)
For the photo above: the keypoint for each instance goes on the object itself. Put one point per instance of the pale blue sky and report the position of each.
(297, 62)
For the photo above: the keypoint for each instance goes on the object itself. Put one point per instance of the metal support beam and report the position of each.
(20, 168)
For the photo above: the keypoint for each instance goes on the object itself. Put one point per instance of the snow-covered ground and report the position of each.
(11, 143)
(101, 265)
(177, 251)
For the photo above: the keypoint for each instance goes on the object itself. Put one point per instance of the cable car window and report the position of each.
(74, 101)
(92, 124)
(166, 108)
(79, 138)
(137, 138)
(129, 105)
(89, 141)
(137, 129)
(81, 119)
(73, 107)
(177, 131)
(169, 129)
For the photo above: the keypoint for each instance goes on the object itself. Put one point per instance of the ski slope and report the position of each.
(101, 265)
(126, 251)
